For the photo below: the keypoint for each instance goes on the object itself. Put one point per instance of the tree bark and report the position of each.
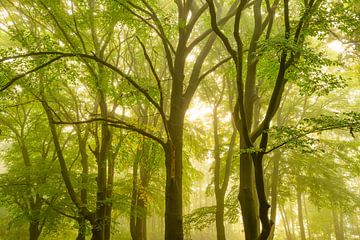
(247, 197)
(173, 194)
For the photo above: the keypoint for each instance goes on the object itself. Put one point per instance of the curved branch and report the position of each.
(17, 77)
(218, 32)
(118, 124)
(86, 56)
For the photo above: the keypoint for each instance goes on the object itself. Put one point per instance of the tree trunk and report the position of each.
(300, 215)
(338, 228)
(173, 158)
(247, 197)
(173, 210)
(221, 184)
(306, 217)
(220, 228)
(102, 159)
(274, 191)
(133, 208)
(34, 230)
(286, 223)
(138, 218)
(109, 191)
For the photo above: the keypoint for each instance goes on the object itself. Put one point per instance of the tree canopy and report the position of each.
(184, 119)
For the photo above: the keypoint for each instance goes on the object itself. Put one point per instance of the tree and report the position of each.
(103, 69)
(28, 184)
(292, 42)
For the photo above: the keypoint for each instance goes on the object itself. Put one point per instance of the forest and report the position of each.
(179, 119)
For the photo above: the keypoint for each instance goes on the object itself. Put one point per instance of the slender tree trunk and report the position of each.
(138, 218)
(286, 223)
(84, 181)
(109, 191)
(274, 190)
(341, 224)
(339, 232)
(221, 184)
(133, 208)
(142, 196)
(306, 217)
(300, 215)
(34, 205)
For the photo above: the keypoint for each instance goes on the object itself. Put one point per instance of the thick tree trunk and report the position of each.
(247, 197)
(173, 193)
(173, 210)
(220, 228)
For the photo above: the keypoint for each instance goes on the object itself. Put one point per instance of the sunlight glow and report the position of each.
(336, 46)
(191, 58)
(68, 129)
(198, 111)
(353, 96)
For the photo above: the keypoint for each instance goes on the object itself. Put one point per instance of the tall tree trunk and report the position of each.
(142, 196)
(286, 223)
(306, 217)
(338, 228)
(173, 158)
(109, 191)
(102, 155)
(173, 193)
(84, 180)
(300, 214)
(247, 197)
(138, 215)
(220, 228)
(274, 190)
(221, 184)
(133, 208)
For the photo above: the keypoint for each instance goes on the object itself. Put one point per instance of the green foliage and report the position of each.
(316, 74)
